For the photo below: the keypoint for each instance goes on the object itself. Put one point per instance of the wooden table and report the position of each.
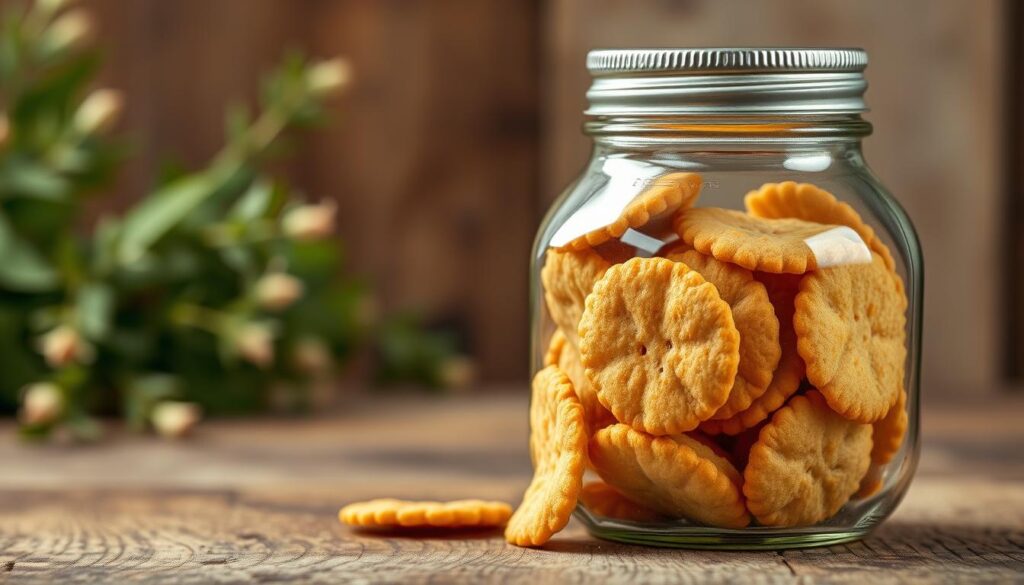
(255, 501)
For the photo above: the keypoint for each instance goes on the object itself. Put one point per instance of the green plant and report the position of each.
(213, 289)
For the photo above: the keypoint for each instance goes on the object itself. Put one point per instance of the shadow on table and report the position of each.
(903, 545)
(425, 533)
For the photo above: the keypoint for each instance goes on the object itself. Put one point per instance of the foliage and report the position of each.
(216, 287)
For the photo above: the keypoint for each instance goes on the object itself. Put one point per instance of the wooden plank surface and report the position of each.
(256, 502)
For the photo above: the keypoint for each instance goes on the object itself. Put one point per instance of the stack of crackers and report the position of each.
(736, 377)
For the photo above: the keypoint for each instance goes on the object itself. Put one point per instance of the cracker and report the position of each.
(659, 345)
(811, 203)
(782, 289)
(604, 500)
(674, 475)
(768, 245)
(806, 464)
(555, 346)
(568, 277)
(889, 432)
(850, 329)
(563, 354)
(667, 194)
(558, 448)
(392, 513)
(755, 321)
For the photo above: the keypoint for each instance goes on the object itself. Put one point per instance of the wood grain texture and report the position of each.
(431, 155)
(256, 502)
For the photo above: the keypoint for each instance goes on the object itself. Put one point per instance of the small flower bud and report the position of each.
(329, 77)
(277, 291)
(175, 419)
(99, 111)
(310, 222)
(255, 343)
(43, 403)
(312, 356)
(50, 6)
(69, 31)
(62, 345)
(457, 372)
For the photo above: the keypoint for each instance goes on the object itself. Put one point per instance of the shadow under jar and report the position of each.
(736, 300)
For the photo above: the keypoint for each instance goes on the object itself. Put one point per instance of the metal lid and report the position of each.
(726, 81)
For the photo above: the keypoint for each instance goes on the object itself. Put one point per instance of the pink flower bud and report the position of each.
(329, 77)
(71, 30)
(277, 291)
(43, 403)
(63, 345)
(175, 419)
(311, 222)
(255, 343)
(99, 111)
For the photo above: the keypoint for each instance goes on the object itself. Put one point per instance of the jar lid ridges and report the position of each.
(746, 60)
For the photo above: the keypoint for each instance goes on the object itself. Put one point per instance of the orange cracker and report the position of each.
(811, 203)
(768, 245)
(391, 513)
(849, 325)
(667, 195)
(659, 345)
(568, 277)
(782, 289)
(755, 321)
(555, 347)
(561, 353)
(558, 447)
(806, 464)
(889, 432)
(604, 500)
(676, 475)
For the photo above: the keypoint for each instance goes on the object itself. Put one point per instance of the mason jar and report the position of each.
(736, 300)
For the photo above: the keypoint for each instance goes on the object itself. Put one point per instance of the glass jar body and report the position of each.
(730, 163)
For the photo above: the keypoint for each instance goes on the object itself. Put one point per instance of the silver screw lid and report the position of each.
(726, 81)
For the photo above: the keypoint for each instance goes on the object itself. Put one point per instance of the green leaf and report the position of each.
(95, 310)
(24, 178)
(22, 268)
(254, 203)
(164, 210)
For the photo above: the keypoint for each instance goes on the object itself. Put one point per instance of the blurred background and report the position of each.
(459, 124)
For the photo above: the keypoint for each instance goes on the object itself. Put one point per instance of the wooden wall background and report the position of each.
(464, 123)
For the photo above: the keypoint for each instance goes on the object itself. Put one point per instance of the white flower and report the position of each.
(311, 222)
(99, 111)
(329, 77)
(43, 403)
(312, 356)
(457, 372)
(175, 419)
(255, 343)
(277, 291)
(70, 30)
(62, 345)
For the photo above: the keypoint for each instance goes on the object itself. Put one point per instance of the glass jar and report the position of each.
(775, 136)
